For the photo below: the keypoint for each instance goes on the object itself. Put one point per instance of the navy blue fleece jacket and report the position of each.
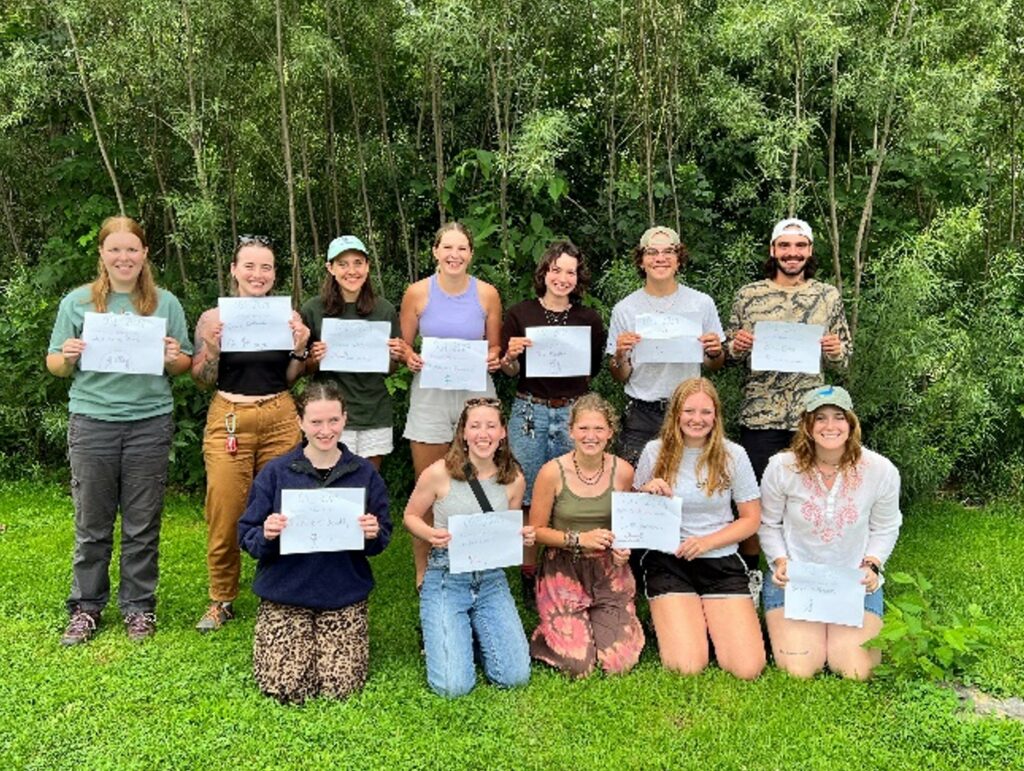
(320, 580)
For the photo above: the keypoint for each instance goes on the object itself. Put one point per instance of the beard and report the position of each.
(783, 268)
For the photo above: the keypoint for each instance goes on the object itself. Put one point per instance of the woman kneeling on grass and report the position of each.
(461, 612)
(703, 588)
(585, 592)
(312, 635)
(828, 500)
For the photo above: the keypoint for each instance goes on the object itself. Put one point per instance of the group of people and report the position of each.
(797, 485)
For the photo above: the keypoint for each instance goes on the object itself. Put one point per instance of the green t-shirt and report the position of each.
(110, 395)
(366, 397)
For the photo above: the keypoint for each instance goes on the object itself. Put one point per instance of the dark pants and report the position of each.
(641, 422)
(762, 443)
(117, 465)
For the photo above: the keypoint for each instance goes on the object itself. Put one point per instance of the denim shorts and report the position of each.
(537, 433)
(774, 597)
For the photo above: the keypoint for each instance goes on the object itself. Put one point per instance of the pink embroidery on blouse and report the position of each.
(813, 508)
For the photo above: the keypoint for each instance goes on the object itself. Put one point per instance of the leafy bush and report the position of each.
(916, 641)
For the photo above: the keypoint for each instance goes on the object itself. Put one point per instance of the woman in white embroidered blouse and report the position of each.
(829, 501)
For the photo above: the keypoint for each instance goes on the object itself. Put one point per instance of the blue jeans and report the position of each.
(774, 597)
(467, 613)
(537, 434)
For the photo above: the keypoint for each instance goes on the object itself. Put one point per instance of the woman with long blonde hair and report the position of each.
(119, 436)
(703, 588)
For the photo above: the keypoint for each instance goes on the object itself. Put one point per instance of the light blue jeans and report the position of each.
(537, 434)
(467, 616)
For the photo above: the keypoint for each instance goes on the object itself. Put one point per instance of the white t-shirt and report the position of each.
(803, 520)
(703, 514)
(650, 382)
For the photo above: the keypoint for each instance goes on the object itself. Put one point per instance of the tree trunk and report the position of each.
(645, 102)
(435, 111)
(95, 121)
(9, 217)
(286, 150)
(308, 184)
(501, 128)
(798, 82)
(833, 207)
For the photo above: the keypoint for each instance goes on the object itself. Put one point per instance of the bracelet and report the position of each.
(869, 564)
(299, 356)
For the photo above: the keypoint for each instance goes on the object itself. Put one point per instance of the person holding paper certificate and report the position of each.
(119, 435)
(829, 501)
(347, 293)
(703, 588)
(251, 420)
(658, 258)
(770, 411)
(539, 424)
(449, 304)
(466, 612)
(312, 628)
(585, 592)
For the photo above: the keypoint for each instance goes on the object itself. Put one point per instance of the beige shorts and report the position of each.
(434, 412)
(369, 442)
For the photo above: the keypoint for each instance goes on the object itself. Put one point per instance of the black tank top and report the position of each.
(259, 373)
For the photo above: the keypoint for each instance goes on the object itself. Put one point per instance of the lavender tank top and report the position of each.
(458, 316)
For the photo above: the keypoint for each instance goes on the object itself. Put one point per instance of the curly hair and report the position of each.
(802, 446)
(456, 460)
(144, 296)
(594, 403)
(713, 463)
(550, 256)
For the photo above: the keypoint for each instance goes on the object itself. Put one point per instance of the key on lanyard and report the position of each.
(230, 424)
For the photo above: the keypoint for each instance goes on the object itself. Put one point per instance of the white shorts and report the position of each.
(434, 412)
(369, 442)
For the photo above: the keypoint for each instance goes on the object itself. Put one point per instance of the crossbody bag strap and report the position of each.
(481, 496)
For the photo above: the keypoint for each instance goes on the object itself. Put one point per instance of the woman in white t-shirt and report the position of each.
(829, 501)
(703, 588)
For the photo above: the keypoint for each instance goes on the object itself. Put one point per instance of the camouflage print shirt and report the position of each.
(772, 399)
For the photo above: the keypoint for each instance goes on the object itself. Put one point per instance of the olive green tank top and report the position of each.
(574, 512)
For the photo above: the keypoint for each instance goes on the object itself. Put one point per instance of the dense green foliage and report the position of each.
(187, 701)
(893, 125)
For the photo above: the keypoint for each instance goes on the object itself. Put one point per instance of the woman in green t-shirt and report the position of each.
(120, 427)
(347, 294)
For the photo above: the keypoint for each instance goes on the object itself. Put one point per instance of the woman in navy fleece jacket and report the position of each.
(312, 634)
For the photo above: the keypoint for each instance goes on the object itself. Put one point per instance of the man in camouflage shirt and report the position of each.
(771, 405)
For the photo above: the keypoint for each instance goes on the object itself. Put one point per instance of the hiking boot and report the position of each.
(81, 626)
(218, 614)
(140, 626)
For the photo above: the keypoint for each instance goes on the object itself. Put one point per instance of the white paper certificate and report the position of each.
(558, 351)
(356, 346)
(491, 539)
(668, 338)
(824, 593)
(323, 520)
(786, 347)
(453, 365)
(121, 342)
(255, 324)
(644, 521)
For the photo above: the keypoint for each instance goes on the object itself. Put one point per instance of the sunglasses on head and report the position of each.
(254, 239)
(483, 401)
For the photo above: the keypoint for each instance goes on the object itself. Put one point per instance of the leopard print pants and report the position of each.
(300, 652)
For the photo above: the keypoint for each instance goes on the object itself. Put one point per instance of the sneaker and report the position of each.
(218, 614)
(140, 626)
(81, 627)
(755, 579)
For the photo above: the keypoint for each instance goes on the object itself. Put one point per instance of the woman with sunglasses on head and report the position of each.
(251, 420)
(467, 613)
(119, 436)
(828, 500)
(312, 628)
(449, 304)
(347, 293)
(539, 425)
(585, 592)
(703, 589)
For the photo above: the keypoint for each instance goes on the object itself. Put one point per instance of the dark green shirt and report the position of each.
(366, 397)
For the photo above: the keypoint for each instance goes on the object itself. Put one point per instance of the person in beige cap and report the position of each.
(828, 501)
(771, 409)
(664, 303)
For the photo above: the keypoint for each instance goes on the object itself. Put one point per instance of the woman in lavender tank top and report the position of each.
(448, 304)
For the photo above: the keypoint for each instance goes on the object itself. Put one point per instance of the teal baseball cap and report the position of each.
(833, 396)
(345, 244)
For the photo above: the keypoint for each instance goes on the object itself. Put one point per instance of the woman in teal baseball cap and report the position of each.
(829, 506)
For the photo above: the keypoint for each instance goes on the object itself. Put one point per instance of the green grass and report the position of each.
(185, 701)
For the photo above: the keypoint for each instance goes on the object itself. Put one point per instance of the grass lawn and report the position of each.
(186, 701)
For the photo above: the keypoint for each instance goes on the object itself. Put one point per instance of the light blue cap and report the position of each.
(345, 244)
(834, 396)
